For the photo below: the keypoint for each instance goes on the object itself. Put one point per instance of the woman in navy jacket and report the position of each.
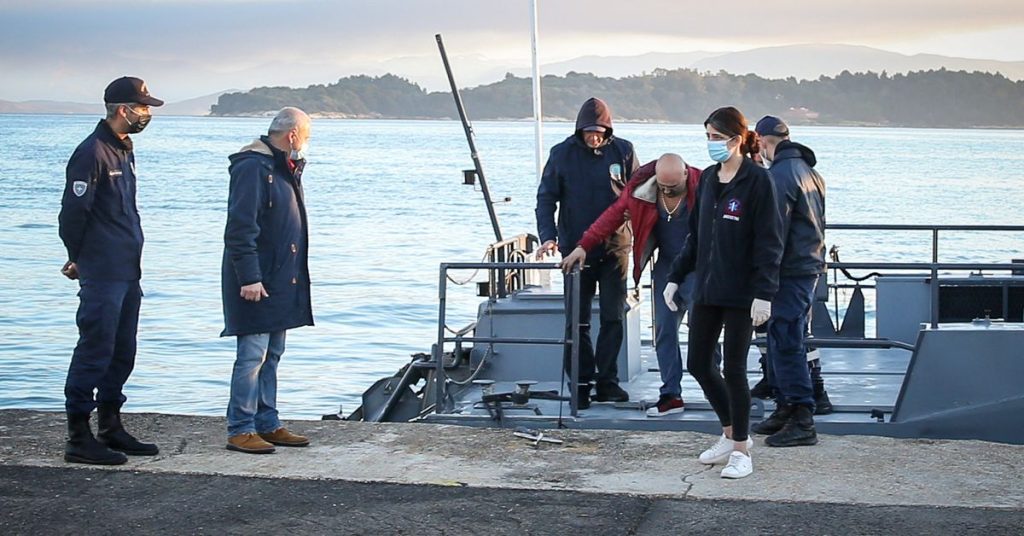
(734, 246)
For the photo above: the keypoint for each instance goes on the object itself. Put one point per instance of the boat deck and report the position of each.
(858, 381)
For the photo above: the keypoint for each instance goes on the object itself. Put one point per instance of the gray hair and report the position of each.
(112, 108)
(288, 119)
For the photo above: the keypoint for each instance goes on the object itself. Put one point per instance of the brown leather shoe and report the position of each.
(250, 443)
(282, 437)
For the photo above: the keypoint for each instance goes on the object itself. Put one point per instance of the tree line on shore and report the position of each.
(937, 98)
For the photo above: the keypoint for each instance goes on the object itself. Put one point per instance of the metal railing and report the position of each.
(502, 281)
(934, 229)
(932, 267)
(569, 342)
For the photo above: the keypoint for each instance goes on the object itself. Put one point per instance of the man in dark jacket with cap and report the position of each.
(800, 192)
(265, 276)
(583, 176)
(100, 227)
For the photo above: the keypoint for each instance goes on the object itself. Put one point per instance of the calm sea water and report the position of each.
(386, 206)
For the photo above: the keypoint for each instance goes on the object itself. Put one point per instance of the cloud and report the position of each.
(70, 49)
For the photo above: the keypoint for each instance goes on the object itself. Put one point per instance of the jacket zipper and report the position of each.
(714, 234)
(714, 231)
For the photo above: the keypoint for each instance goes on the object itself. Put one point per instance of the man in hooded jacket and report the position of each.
(583, 176)
(265, 276)
(801, 197)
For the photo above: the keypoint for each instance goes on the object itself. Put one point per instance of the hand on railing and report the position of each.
(546, 248)
(577, 257)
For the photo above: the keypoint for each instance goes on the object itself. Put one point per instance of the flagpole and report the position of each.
(537, 114)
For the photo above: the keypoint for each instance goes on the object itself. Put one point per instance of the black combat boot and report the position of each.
(611, 392)
(82, 447)
(775, 421)
(798, 431)
(822, 405)
(763, 389)
(583, 396)
(112, 433)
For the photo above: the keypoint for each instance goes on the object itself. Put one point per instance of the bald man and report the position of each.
(658, 200)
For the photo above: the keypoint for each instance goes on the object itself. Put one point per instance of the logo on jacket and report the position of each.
(615, 172)
(79, 188)
(733, 210)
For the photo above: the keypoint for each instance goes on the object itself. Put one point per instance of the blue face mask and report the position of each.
(719, 150)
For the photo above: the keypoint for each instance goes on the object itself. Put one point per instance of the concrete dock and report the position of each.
(361, 478)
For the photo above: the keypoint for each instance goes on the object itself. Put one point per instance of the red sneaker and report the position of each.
(667, 405)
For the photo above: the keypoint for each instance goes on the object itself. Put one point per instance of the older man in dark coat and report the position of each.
(265, 276)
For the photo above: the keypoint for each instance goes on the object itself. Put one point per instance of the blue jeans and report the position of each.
(666, 328)
(108, 320)
(253, 403)
(787, 354)
(666, 331)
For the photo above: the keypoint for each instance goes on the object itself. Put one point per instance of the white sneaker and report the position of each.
(739, 466)
(720, 451)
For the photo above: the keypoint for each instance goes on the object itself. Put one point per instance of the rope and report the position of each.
(475, 373)
(834, 254)
(462, 331)
(472, 275)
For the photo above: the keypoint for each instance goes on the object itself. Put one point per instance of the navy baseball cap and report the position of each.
(594, 128)
(770, 125)
(129, 89)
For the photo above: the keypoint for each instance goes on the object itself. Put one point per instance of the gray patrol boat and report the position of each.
(946, 359)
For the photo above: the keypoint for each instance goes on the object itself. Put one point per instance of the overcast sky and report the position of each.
(70, 49)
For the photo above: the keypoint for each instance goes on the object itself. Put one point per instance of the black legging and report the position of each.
(730, 397)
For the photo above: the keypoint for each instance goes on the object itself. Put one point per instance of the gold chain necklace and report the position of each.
(664, 201)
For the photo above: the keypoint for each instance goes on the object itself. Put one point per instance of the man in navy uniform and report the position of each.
(801, 196)
(99, 224)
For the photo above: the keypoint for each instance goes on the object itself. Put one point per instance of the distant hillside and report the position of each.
(49, 107)
(196, 106)
(925, 99)
(620, 66)
(803, 62)
(808, 62)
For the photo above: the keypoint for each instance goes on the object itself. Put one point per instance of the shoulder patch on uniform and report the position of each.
(79, 188)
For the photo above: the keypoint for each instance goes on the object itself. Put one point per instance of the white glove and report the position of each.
(670, 296)
(760, 311)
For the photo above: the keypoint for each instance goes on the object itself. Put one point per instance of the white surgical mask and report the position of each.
(301, 152)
